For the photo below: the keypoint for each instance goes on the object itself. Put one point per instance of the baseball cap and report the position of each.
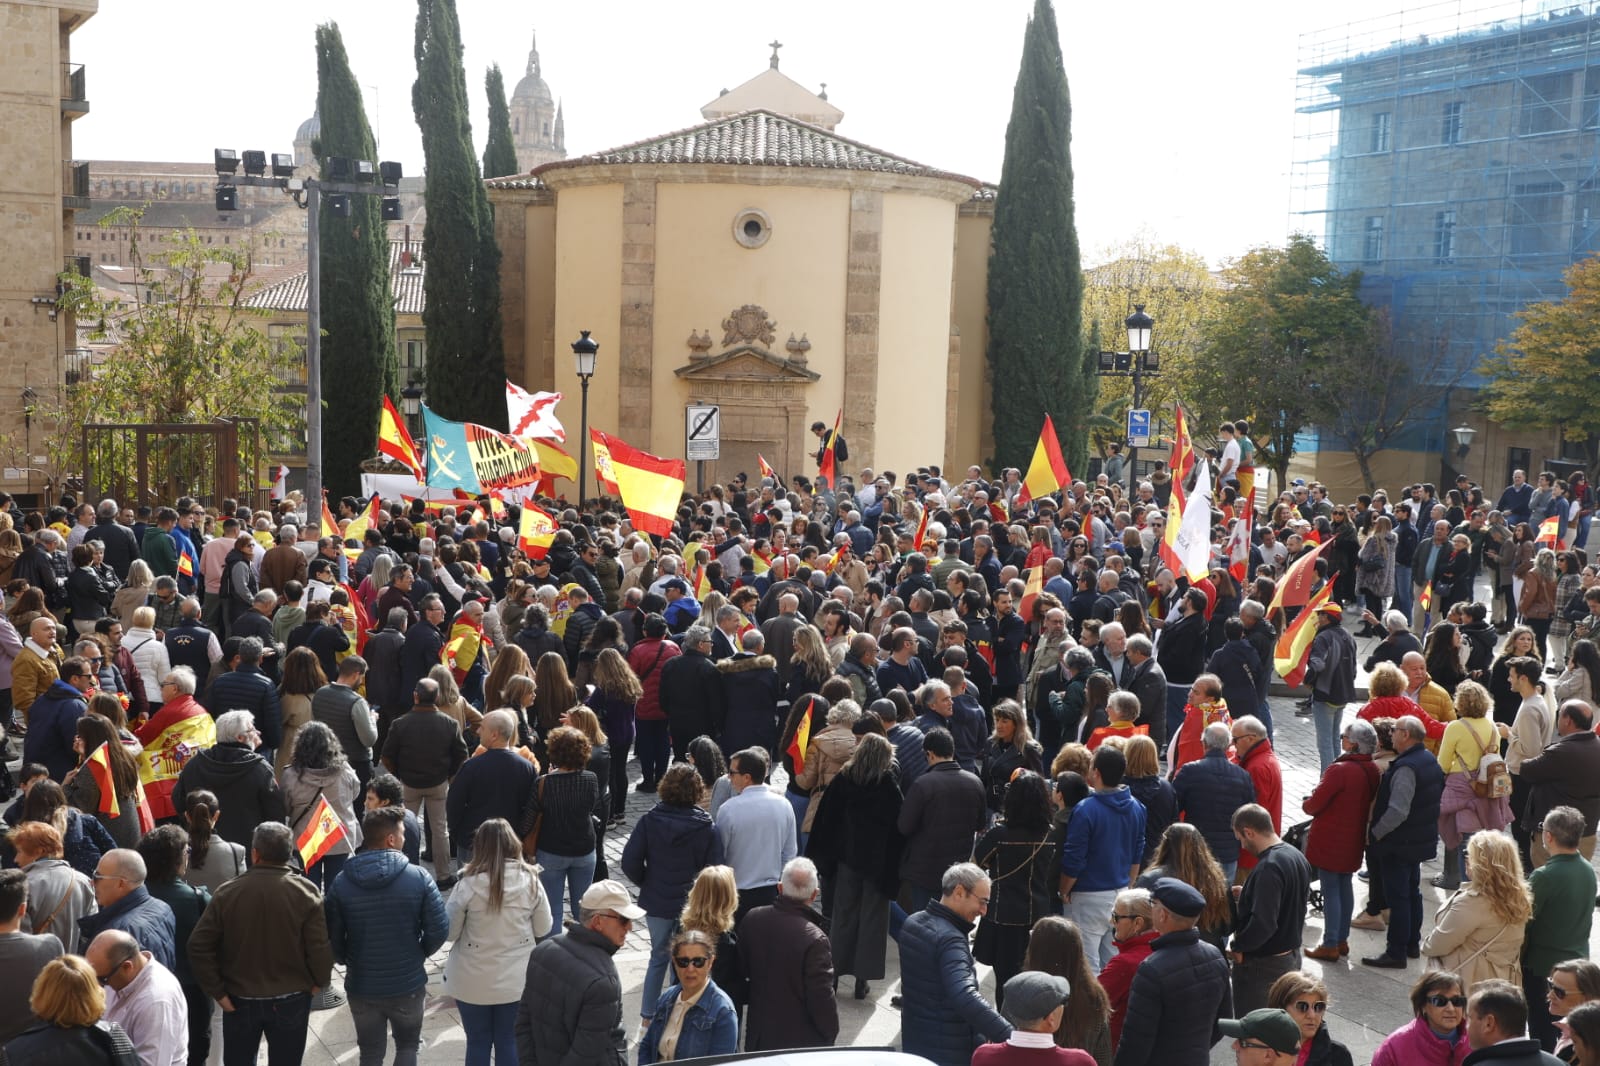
(1032, 995)
(613, 896)
(1273, 1028)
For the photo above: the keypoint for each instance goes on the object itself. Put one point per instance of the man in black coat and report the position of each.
(1179, 991)
(692, 695)
(750, 693)
(493, 784)
(1007, 632)
(1150, 685)
(1404, 833)
(246, 688)
(1497, 1026)
(1182, 653)
(257, 623)
(1272, 910)
(841, 450)
(944, 811)
(1566, 774)
(121, 548)
(786, 953)
(424, 642)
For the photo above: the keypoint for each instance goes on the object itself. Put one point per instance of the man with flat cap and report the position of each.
(1264, 1037)
(1034, 1004)
(1181, 991)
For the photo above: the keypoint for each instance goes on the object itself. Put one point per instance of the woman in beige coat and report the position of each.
(826, 755)
(1478, 932)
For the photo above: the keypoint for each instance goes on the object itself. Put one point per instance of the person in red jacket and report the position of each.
(1132, 933)
(1339, 809)
(1255, 754)
(652, 743)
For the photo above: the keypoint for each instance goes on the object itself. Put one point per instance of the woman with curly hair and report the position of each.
(302, 677)
(668, 848)
(1537, 601)
(1184, 854)
(318, 769)
(1479, 930)
(560, 806)
(1056, 947)
(713, 901)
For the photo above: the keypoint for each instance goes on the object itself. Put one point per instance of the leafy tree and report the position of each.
(359, 364)
(500, 154)
(188, 348)
(1282, 318)
(1035, 290)
(466, 359)
(1547, 375)
(1177, 289)
(1373, 391)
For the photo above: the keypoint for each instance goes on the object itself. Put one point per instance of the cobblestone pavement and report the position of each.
(1366, 1004)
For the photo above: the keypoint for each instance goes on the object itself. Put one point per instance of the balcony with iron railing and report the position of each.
(74, 91)
(74, 185)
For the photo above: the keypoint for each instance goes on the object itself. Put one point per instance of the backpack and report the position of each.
(1494, 776)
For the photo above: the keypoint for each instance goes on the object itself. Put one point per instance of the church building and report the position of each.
(759, 261)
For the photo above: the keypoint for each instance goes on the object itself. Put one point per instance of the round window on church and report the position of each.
(752, 227)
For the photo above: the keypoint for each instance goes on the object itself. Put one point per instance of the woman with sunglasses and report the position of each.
(1305, 999)
(1572, 984)
(696, 1018)
(1438, 1036)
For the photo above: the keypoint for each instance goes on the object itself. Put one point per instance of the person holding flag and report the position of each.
(1329, 667)
(322, 794)
(106, 783)
(834, 450)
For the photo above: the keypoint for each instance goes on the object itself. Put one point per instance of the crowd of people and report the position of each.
(912, 711)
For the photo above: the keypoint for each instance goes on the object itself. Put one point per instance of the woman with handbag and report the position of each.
(1537, 601)
(1335, 843)
(1375, 571)
(1023, 862)
(1478, 932)
(497, 911)
(1467, 805)
(557, 827)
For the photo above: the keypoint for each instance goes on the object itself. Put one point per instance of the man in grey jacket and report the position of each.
(571, 1010)
(1331, 673)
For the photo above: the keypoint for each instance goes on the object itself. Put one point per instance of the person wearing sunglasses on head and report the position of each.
(695, 1018)
(1305, 999)
(1570, 985)
(1438, 1035)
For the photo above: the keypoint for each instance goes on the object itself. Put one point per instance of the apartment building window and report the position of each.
(1545, 103)
(1444, 236)
(1380, 132)
(1451, 133)
(1591, 98)
(1372, 240)
(1536, 218)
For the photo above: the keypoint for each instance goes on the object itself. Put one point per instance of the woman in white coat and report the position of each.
(497, 910)
(1478, 933)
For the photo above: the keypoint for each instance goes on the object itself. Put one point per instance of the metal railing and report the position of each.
(74, 89)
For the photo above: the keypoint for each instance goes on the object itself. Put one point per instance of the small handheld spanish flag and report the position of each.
(1550, 532)
(321, 833)
(766, 468)
(802, 736)
(99, 766)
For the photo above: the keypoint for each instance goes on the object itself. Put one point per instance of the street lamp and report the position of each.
(1142, 362)
(585, 351)
(411, 403)
(1463, 434)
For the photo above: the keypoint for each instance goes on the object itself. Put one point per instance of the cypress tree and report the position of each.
(1035, 288)
(500, 154)
(359, 365)
(466, 361)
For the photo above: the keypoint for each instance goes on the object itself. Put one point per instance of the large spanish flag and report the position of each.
(323, 830)
(554, 461)
(1048, 470)
(1294, 643)
(535, 532)
(604, 474)
(1295, 588)
(1181, 461)
(650, 486)
(395, 442)
(99, 766)
(176, 733)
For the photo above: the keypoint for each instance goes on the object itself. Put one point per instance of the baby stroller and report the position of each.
(1295, 837)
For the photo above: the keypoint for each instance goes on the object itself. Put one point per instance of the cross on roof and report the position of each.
(775, 44)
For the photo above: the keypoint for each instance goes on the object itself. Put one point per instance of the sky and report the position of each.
(1183, 113)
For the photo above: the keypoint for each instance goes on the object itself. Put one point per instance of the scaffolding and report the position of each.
(1451, 152)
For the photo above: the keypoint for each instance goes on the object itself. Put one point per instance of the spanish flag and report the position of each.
(330, 524)
(1048, 470)
(554, 461)
(497, 507)
(761, 565)
(802, 736)
(395, 442)
(702, 583)
(321, 833)
(99, 766)
(1295, 588)
(357, 529)
(826, 472)
(465, 644)
(1425, 599)
(604, 474)
(766, 469)
(535, 532)
(650, 486)
(921, 535)
(178, 731)
(1294, 643)
(1550, 532)
(1182, 459)
(185, 563)
(1030, 594)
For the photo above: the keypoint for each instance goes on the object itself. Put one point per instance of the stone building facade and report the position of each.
(41, 187)
(538, 128)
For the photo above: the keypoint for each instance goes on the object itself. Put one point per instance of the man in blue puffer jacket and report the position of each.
(943, 1016)
(385, 917)
(1102, 853)
(1209, 790)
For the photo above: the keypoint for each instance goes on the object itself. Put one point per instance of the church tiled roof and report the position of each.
(759, 138)
(405, 284)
